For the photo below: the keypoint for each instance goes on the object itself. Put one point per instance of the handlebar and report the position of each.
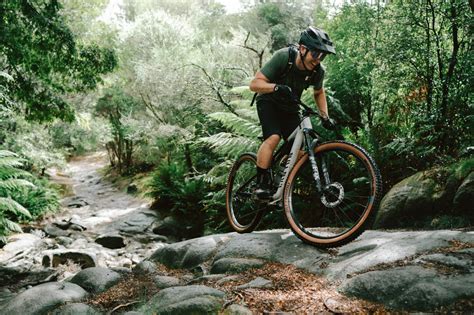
(307, 110)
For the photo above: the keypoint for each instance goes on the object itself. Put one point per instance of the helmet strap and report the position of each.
(303, 58)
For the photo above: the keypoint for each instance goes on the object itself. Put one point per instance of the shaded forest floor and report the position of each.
(293, 290)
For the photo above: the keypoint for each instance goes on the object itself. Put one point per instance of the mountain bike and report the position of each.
(330, 191)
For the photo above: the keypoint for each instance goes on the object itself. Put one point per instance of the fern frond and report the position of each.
(243, 91)
(239, 125)
(13, 172)
(6, 153)
(15, 184)
(218, 174)
(242, 104)
(228, 144)
(9, 225)
(248, 113)
(14, 207)
(11, 161)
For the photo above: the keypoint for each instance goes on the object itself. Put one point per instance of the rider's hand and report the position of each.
(328, 123)
(284, 91)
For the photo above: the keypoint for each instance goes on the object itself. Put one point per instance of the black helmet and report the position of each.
(317, 39)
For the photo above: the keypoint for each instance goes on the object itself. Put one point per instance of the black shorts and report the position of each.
(275, 121)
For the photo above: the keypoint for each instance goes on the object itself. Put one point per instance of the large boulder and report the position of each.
(55, 257)
(374, 248)
(193, 299)
(188, 254)
(235, 265)
(134, 223)
(274, 245)
(111, 241)
(19, 244)
(97, 279)
(423, 198)
(410, 288)
(464, 197)
(44, 298)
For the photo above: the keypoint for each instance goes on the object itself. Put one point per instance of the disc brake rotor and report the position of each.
(333, 194)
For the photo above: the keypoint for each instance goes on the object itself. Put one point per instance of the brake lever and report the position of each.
(337, 130)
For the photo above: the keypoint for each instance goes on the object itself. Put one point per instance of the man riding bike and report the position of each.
(282, 80)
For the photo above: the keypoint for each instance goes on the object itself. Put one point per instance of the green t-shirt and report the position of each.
(296, 79)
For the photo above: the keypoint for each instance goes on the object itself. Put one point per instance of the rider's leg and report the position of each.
(271, 128)
(265, 152)
(264, 160)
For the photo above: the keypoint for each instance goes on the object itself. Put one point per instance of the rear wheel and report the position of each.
(348, 203)
(244, 212)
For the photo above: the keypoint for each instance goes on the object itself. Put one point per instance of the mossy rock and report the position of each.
(426, 195)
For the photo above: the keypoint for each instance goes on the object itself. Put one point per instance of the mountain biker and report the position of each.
(280, 81)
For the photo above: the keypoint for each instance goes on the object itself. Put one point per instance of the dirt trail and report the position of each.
(103, 210)
(97, 202)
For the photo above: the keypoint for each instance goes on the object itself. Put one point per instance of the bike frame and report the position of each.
(302, 135)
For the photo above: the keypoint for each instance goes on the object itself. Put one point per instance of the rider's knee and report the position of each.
(273, 141)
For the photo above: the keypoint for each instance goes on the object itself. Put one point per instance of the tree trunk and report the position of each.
(452, 62)
(189, 161)
(448, 144)
(429, 67)
(128, 154)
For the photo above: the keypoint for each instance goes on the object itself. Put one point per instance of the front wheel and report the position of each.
(349, 200)
(243, 210)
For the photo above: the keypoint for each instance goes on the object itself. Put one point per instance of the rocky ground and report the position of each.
(100, 255)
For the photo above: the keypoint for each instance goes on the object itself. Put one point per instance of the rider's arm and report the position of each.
(320, 99)
(261, 84)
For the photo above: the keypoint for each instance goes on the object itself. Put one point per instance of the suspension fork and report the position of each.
(311, 141)
(309, 148)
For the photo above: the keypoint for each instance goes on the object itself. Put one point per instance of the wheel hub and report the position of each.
(333, 194)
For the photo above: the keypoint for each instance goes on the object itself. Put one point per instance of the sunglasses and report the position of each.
(318, 55)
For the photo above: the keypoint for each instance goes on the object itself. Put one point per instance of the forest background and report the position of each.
(163, 86)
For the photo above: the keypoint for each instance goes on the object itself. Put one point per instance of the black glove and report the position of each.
(284, 91)
(328, 123)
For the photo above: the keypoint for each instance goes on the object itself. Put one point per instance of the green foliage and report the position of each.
(43, 59)
(214, 207)
(32, 141)
(178, 195)
(40, 200)
(463, 168)
(402, 74)
(285, 22)
(444, 222)
(84, 135)
(242, 138)
(119, 107)
(21, 198)
(353, 31)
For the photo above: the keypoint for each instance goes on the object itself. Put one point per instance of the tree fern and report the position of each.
(6, 227)
(239, 125)
(247, 113)
(218, 174)
(9, 205)
(12, 181)
(230, 145)
(10, 162)
(14, 184)
(9, 165)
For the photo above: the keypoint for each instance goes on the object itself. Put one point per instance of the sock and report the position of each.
(262, 171)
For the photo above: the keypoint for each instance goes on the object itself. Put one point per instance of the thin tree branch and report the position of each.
(259, 54)
(238, 69)
(149, 106)
(216, 89)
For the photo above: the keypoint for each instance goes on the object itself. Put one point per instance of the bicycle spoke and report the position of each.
(242, 211)
(335, 218)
